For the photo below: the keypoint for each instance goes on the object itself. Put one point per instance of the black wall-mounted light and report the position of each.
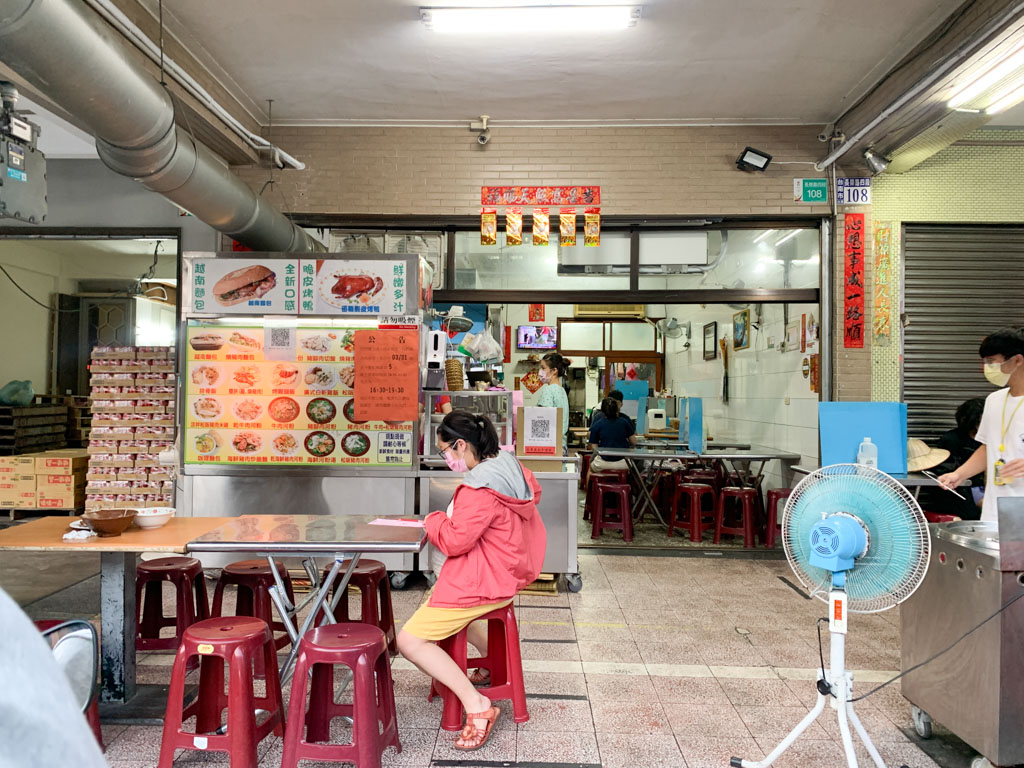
(751, 159)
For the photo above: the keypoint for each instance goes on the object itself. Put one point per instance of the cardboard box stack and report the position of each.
(133, 402)
(51, 480)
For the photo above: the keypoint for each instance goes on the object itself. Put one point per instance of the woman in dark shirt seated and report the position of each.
(613, 431)
(961, 444)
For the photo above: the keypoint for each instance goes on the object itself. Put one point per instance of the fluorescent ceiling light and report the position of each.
(976, 87)
(790, 236)
(1005, 100)
(534, 19)
(763, 235)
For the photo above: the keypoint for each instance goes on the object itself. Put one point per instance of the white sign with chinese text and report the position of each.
(244, 286)
(853, 191)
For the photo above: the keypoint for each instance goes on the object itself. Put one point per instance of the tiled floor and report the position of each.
(659, 661)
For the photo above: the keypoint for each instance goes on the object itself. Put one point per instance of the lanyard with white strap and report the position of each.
(1004, 428)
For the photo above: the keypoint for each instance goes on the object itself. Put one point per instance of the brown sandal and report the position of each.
(472, 734)
(480, 677)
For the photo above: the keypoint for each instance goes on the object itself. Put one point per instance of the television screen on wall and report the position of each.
(537, 337)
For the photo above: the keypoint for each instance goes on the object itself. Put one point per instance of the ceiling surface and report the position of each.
(686, 61)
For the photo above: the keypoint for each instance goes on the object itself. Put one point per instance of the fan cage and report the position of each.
(899, 542)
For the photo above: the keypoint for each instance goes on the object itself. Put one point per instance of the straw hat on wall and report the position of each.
(920, 456)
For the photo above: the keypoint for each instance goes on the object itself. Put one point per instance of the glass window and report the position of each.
(431, 245)
(736, 258)
(585, 336)
(632, 337)
(529, 267)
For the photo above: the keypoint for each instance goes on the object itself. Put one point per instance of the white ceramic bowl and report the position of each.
(153, 517)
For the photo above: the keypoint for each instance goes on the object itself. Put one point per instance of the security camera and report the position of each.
(823, 137)
(483, 137)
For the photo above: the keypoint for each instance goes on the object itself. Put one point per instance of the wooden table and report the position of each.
(118, 555)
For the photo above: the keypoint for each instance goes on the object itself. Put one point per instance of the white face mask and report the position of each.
(994, 373)
(544, 374)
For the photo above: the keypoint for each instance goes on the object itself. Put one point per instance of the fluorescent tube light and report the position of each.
(763, 235)
(976, 87)
(1005, 100)
(788, 237)
(534, 19)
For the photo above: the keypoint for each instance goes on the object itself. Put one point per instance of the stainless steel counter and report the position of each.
(974, 690)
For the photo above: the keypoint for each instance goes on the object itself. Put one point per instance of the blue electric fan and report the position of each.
(856, 539)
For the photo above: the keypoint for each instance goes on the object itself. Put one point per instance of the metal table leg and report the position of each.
(117, 621)
(648, 499)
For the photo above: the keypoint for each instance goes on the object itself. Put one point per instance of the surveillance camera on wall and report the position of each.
(483, 132)
(483, 137)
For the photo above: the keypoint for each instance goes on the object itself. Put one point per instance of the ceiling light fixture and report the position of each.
(1005, 100)
(875, 162)
(974, 88)
(787, 238)
(534, 19)
(751, 159)
(762, 236)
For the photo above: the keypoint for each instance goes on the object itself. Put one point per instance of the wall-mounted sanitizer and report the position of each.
(437, 343)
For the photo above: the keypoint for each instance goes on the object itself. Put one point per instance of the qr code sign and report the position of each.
(540, 429)
(280, 337)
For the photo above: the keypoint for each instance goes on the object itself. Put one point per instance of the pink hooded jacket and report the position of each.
(495, 546)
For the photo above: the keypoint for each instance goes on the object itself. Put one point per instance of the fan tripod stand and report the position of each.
(838, 683)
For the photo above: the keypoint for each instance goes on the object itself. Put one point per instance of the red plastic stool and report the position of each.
(92, 714)
(364, 649)
(239, 641)
(771, 529)
(693, 513)
(747, 498)
(503, 661)
(603, 492)
(707, 476)
(938, 517)
(372, 579)
(618, 475)
(253, 579)
(584, 468)
(186, 574)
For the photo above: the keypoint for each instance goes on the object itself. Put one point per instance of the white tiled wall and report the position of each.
(760, 381)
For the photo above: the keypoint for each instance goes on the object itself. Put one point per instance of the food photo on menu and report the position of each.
(253, 282)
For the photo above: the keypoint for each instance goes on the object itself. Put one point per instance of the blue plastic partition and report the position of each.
(842, 427)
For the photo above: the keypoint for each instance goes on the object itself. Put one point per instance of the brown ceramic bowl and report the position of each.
(109, 522)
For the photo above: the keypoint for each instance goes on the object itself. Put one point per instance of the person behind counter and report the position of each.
(613, 430)
(553, 368)
(494, 543)
(1000, 454)
(598, 414)
(961, 443)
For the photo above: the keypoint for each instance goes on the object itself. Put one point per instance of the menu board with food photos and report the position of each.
(261, 395)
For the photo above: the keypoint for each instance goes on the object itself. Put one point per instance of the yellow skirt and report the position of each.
(430, 623)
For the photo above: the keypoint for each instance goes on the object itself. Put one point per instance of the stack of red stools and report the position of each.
(688, 510)
(607, 476)
(364, 650)
(254, 580)
(619, 518)
(371, 578)
(746, 501)
(773, 521)
(503, 661)
(238, 641)
(191, 605)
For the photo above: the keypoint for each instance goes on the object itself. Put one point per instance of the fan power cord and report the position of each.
(929, 660)
(824, 687)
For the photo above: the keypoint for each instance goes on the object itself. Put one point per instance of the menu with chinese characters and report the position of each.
(248, 402)
(355, 287)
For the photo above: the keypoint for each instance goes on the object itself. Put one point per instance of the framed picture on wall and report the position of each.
(711, 341)
(741, 329)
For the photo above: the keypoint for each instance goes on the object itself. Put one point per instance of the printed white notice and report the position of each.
(540, 431)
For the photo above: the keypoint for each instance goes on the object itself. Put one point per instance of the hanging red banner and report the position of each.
(488, 227)
(541, 226)
(536, 313)
(567, 227)
(540, 195)
(853, 281)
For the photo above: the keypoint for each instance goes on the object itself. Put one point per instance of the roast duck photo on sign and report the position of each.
(252, 282)
(351, 286)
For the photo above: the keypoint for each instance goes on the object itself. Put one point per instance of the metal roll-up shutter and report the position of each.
(960, 284)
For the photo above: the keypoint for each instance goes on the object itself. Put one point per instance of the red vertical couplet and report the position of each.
(853, 282)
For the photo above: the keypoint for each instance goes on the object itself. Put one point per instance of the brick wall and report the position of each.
(440, 171)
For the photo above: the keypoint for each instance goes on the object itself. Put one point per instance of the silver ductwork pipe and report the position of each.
(64, 50)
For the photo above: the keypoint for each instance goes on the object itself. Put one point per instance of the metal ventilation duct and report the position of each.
(65, 51)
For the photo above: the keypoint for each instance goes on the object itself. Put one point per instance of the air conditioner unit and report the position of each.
(608, 310)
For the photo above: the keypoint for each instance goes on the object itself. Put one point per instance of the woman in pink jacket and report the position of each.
(494, 541)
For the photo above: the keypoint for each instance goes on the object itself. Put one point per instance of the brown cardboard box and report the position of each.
(66, 462)
(60, 499)
(24, 464)
(8, 486)
(58, 482)
(18, 500)
(11, 475)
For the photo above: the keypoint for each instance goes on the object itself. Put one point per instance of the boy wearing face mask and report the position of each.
(1001, 433)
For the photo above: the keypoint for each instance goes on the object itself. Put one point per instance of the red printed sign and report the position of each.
(853, 282)
(540, 195)
(387, 375)
(536, 313)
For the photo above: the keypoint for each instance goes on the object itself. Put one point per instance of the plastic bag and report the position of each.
(17, 393)
(481, 346)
